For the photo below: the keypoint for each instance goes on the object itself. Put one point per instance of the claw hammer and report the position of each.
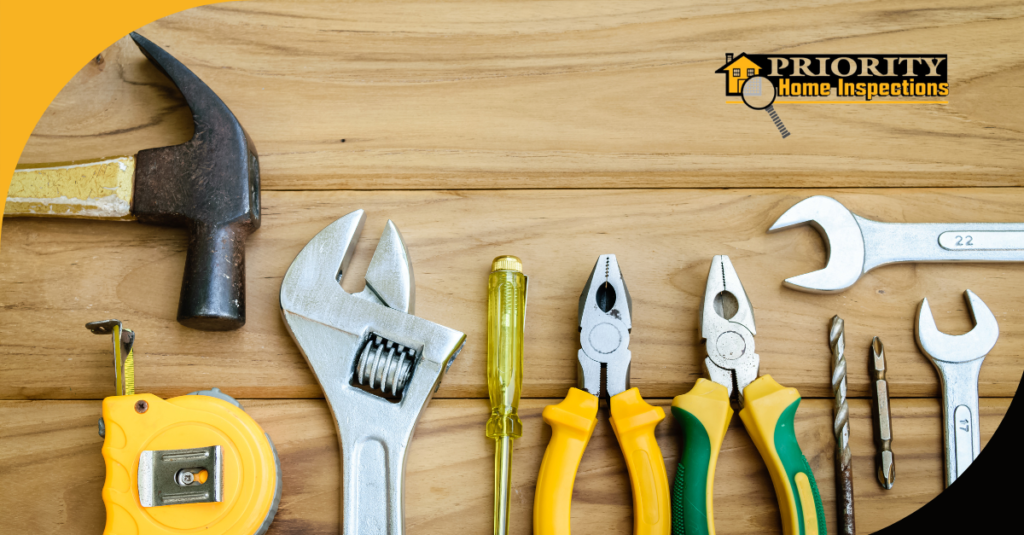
(210, 185)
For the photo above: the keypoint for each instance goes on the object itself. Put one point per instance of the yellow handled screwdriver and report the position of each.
(506, 312)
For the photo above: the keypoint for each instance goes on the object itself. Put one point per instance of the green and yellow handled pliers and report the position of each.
(767, 411)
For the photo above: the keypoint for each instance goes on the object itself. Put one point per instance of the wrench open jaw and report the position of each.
(958, 349)
(378, 364)
(844, 244)
(856, 245)
(958, 360)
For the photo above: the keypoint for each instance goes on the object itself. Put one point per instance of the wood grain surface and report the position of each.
(555, 131)
(65, 273)
(53, 450)
(564, 94)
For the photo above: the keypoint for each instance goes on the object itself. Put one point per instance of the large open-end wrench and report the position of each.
(856, 245)
(958, 361)
(377, 363)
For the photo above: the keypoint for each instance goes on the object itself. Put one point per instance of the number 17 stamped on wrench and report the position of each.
(958, 359)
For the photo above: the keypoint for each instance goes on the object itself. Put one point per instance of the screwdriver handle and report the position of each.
(572, 423)
(633, 421)
(506, 310)
(704, 414)
(768, 415)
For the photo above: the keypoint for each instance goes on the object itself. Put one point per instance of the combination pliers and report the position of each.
(605, 310)
(767, 411)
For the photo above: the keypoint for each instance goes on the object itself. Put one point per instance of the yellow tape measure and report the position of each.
(192, 463)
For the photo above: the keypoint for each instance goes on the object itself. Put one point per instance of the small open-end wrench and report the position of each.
(958, 361)
(856, 245)
(377, 363)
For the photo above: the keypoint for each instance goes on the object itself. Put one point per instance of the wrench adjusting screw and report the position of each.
(384, 367)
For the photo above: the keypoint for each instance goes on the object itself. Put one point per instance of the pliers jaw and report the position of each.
(605, 323)
(727, 327)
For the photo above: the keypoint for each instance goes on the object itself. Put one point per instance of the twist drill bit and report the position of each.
(881, 415)
(841, 427)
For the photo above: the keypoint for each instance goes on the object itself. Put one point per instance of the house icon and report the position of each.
(737, 71)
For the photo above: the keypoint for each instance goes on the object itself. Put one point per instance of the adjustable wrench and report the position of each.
(377, 363)
(958, 361)
(856, 245)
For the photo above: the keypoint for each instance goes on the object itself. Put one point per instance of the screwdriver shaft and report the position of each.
(841, 428)
(881, 415)
(502, 483)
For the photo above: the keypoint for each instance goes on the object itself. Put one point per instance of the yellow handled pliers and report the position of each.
(767, 411)
(604, 321)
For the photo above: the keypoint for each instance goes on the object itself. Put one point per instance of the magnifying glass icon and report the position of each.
(759, 94)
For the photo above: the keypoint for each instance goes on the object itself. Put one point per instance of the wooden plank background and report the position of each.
(555, 131)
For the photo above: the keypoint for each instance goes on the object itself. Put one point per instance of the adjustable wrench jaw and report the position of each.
(844, 243)
(378, 365)
(389, 278)
(727, 327)
(605, 323)
(958, 360)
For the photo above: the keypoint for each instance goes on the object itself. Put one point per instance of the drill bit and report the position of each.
(881, 415)
(841, 427)
(506, 311)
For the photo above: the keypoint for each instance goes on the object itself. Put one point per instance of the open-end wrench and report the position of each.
(856, 245)
(377, 363)
(958, 361)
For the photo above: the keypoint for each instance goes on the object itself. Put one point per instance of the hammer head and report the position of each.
(211, 186)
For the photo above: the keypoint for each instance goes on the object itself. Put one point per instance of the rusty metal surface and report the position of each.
(211, 186)
(841, 428)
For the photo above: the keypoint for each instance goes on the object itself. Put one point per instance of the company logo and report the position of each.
(764, 80)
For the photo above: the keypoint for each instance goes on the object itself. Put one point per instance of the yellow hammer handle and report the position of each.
(572, 422)
(633, 421)
(94, 189)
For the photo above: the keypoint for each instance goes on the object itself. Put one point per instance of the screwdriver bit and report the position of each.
(841, 427)
(881, 415)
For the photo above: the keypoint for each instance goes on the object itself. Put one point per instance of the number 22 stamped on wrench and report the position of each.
(377, 363)
(856, 245)
(958, 359)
